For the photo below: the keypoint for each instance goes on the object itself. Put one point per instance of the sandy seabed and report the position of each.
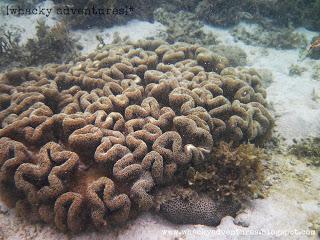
(292, 208)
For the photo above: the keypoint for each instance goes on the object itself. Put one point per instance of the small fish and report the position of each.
(313, 45)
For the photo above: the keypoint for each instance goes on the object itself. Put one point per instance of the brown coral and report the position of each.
(12, 155)
(94, 140)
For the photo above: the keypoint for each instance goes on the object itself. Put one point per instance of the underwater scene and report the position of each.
(160, 120)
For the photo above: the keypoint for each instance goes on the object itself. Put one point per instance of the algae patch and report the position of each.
(309, 149)
(50, 45)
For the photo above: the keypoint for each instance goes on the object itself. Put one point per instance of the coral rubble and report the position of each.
(89, 143)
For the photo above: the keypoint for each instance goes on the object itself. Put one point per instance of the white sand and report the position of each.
(135, 29)
(292, 206)
(27, 23)
(87, 38)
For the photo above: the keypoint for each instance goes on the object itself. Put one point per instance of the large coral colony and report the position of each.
(89, 143)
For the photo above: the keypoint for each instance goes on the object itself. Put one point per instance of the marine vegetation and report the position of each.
(10, 50)
(208, 190)
(308, 148)
(183, 27)
(225, 13)
(229, 172)
(280, 38)
(51, 45)
(298, 12)
(90, 143)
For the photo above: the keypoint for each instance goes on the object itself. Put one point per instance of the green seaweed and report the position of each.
(50, 45)
(10, 50)
(308, 148)
(229, 172)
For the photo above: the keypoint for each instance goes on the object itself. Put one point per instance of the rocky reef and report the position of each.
(90, 143)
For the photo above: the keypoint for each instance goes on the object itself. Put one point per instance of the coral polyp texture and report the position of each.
(90, 143)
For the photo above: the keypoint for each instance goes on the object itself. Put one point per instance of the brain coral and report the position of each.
(89, 143)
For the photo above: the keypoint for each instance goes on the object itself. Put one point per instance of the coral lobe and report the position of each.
(95, 139)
